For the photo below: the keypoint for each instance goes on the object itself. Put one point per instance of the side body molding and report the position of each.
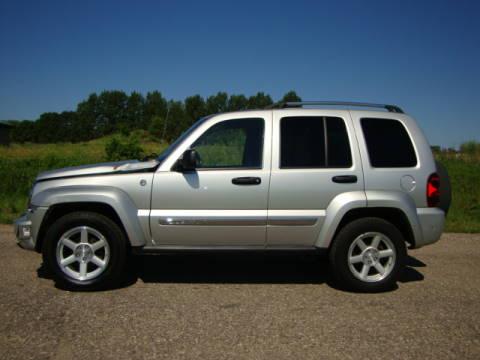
(114, 197)
(334, 213)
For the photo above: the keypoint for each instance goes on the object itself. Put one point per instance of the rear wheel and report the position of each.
(85, 250)
(368, 255)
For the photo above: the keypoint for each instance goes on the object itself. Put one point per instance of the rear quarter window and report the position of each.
(388, 143)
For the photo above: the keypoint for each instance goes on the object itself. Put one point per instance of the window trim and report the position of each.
(235, 167)
(325, 135)
(410, 138)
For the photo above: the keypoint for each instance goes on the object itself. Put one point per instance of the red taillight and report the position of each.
(433, 190)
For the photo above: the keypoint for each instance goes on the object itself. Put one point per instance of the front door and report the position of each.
(224, 201)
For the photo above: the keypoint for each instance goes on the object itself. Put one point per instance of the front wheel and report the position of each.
(368, 255)
(85, 250)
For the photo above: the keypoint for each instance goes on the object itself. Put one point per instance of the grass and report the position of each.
(19, 165)
(464, 214)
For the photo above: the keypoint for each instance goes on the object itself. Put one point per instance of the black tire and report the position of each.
(339, 252)
(114, 236)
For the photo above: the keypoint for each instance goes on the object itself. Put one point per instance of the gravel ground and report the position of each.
(245, 307)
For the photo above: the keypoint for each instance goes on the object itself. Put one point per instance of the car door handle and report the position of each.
(247, 181)
(344, 179)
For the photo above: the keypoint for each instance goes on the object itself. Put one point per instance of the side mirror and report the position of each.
(189, 160)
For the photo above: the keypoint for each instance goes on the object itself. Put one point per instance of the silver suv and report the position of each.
(357, 184)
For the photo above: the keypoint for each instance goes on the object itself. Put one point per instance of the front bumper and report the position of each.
(23, 232)
(26, 227)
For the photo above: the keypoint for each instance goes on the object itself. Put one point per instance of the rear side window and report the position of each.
(388, 143)
(314, 142)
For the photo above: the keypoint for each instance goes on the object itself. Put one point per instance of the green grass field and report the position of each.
(19, 164)
(464, 214)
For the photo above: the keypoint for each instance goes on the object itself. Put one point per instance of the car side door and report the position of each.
(223, 202)
(314, 159)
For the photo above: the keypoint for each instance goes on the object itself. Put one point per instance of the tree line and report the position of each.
(115, 111)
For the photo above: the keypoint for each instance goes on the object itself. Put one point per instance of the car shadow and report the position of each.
(410, 273)
(248, 268)
(238, 268)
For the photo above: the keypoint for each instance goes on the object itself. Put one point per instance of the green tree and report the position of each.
(121, 147)
(50, 128)
(157, 126)
(86, 125)
(176, 122)
(112, 111)
(217, 103)
(237, 102)
(135, 118)
(115, 111)
(155, 105)
(259, 101)
(470, 147)
(195, 108)
(69, 124)
(291, 96)
(23, 131)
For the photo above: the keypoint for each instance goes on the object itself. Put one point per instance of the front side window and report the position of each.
(232, 144)
(388, 143)
(314, 142)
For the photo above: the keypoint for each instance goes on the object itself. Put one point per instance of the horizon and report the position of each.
(422, 57)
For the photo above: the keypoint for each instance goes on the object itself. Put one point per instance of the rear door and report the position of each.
(314, 159)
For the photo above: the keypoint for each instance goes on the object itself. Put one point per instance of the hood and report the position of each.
(119, 167)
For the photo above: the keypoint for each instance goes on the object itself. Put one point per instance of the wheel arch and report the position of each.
(107, 201)
(394, 216)
(58, 210)
(395, 207)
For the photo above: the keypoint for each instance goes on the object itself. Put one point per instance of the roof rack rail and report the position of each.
(297, 104)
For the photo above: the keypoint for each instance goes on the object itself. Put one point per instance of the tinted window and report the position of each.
(388, 143)
(304, 145)
(231, 144)
(339, 154)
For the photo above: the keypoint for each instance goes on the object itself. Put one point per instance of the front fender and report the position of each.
(117, 199)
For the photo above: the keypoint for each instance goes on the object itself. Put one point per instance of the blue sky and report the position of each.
(421, 55)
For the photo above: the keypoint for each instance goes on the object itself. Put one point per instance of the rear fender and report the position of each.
(345, 202)
(334, 213)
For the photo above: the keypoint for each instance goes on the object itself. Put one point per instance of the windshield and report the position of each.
(171, 148)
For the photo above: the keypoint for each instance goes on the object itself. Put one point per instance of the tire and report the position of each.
(94, 252)
(358, 241)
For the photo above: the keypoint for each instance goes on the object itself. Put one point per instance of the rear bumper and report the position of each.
(26, 227)
(432, 222)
